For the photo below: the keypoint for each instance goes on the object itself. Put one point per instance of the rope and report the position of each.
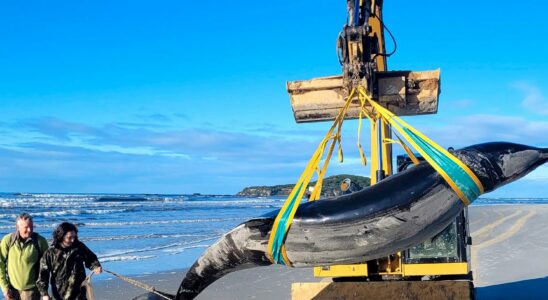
(89, 288)
(144, 286)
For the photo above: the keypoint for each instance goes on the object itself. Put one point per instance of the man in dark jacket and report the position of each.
(63, 265)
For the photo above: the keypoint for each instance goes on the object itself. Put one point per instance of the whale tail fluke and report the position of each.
(241, 248)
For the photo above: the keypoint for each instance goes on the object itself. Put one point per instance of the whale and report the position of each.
(396, 213)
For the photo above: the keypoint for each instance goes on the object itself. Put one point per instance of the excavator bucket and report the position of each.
(404, 93)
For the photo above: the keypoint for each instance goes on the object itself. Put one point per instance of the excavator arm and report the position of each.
(360, 45)
(362, 54)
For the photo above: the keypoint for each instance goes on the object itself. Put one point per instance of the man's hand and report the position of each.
(45, 297)
(7, 294)
(98, 270)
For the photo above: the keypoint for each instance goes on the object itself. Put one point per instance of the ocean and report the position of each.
(143, 234)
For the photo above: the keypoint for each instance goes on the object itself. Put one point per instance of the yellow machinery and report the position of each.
(362, 54)
(444, 256)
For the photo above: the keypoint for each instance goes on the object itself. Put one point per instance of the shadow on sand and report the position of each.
(527, 289)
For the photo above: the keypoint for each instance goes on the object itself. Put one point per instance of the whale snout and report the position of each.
(545, 153)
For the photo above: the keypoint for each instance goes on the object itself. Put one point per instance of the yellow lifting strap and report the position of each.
(406, 148)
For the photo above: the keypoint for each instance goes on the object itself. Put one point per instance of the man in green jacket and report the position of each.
(20, 254)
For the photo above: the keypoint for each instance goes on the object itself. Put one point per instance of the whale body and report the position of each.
(398, 212)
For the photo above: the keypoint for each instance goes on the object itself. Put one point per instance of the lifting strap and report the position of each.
(459, 177)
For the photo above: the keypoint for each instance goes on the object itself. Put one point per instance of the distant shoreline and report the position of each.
(239, 194)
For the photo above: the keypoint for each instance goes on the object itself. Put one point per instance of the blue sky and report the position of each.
(189, 96)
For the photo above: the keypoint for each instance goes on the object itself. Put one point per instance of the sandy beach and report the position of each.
(510, 244)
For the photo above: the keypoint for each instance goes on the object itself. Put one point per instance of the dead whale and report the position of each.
(398, 212)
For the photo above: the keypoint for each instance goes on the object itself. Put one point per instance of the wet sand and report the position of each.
(509, 261)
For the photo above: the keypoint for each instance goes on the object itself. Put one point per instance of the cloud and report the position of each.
(71, 156)
(188, 142)
(115, 157)
(461, 103)
(158, 118)
(481, 128)
(140, 125)
(42, 167)
(54, 168)
(57, 128)
(154, 120)
(533, 100)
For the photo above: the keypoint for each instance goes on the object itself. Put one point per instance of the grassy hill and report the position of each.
(331, 187)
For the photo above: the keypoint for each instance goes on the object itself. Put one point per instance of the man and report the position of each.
(20, 254)
(63, 265)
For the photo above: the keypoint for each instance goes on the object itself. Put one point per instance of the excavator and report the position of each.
(438, 268)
